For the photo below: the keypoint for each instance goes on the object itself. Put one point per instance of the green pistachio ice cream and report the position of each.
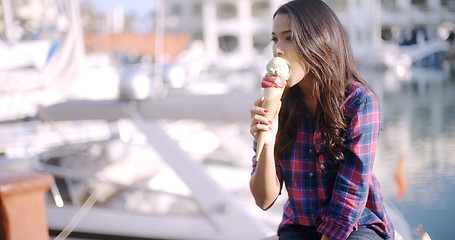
(278, 67)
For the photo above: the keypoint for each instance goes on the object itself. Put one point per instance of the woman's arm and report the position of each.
(264, 183)
(351, 186)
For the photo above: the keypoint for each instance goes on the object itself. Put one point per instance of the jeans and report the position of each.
(298, 232)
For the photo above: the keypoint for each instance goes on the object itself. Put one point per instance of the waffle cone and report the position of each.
(271, 102)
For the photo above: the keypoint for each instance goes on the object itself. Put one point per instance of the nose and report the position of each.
(277, 50)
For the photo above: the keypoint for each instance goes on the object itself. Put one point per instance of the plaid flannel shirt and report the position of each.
(342, 198)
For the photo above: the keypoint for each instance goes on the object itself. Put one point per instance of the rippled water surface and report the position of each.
(418, 130)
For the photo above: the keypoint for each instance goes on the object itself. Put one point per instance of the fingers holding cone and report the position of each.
(259, 120)
(268, 136)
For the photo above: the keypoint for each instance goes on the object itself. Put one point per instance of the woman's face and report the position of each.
(283, 46)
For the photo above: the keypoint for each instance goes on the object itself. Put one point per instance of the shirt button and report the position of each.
(310, 174)
(310, 151)
(312, 215)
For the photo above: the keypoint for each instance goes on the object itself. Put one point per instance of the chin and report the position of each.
(291, 84)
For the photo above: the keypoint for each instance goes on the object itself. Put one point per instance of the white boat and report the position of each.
(423, 51)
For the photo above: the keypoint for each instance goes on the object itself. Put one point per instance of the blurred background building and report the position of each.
(230, 28)
(369, 24)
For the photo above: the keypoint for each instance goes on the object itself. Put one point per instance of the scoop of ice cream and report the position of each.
(273, 81)
(278, 67)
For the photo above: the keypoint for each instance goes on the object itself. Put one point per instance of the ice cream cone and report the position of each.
(273, 83)
(271, 102)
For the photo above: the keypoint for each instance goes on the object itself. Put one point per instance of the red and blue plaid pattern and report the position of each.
(342, 198)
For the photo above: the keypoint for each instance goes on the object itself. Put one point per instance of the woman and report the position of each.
(323, 141)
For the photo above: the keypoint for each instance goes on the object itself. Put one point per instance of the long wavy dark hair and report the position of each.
(323, 46)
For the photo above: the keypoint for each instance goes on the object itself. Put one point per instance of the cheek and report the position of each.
(296, 75)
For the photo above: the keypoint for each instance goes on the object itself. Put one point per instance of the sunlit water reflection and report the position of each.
(418, 126)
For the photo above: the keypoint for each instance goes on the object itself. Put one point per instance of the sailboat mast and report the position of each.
(158, 83)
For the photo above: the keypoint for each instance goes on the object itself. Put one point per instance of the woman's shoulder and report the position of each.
(359, 95)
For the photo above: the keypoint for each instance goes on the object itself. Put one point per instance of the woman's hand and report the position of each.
(264, 184)
(260, 123)
(324, 237)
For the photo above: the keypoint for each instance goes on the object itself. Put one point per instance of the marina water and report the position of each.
(418, 132)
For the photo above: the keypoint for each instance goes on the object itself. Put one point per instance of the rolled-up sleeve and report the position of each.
(351, 187)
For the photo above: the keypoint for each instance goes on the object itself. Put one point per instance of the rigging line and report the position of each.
(83, 210)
